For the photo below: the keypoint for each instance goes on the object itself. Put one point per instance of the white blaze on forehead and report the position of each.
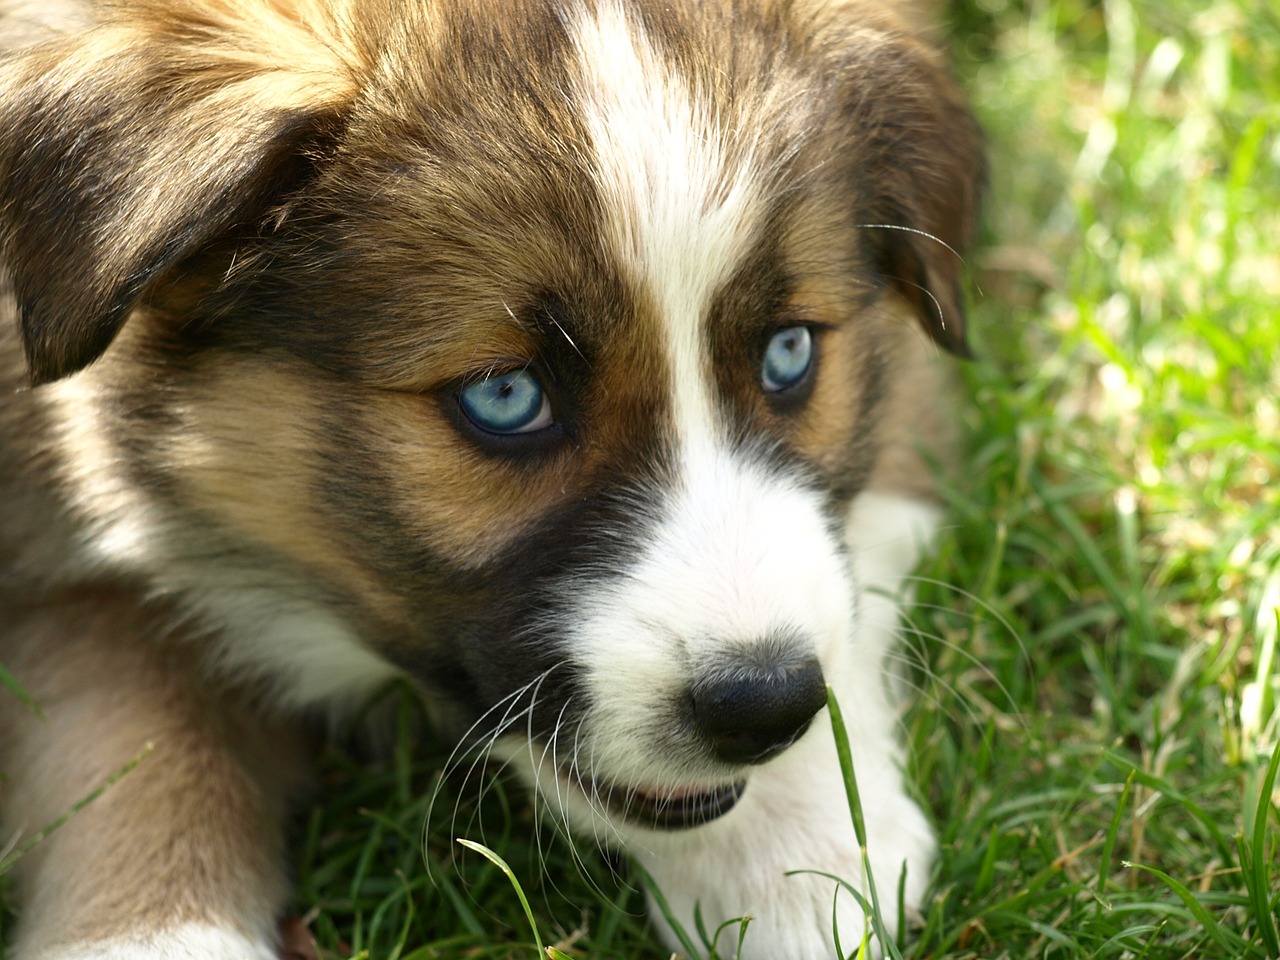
(740, 556)
(679, 207)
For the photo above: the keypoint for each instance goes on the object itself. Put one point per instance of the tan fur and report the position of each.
(250, 250)
(917, 432)
(205, 802)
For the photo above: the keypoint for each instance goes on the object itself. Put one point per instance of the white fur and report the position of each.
(739, 556)
(679, 213)
(310, 656)
(123, 524)
(887, 536)
(794, 817)
(794, 814)
(194, 941)
(738, 553)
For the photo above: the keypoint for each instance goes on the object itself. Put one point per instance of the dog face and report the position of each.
(537, 350)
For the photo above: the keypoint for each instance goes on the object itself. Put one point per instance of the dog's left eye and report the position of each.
(787, 358)
(507, 403)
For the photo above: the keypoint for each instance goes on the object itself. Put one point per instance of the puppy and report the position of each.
(577, 359)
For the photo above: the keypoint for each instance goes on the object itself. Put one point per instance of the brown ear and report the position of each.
(127, 148)
(921, 157)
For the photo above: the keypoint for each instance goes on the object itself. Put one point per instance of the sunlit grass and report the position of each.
(1127, 449)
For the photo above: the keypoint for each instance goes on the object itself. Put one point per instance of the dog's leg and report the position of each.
(182, 856)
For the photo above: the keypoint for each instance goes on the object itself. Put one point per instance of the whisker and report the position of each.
(977, 601)
(920, 660)
(905, 229)
(480, 749)
(924, 693)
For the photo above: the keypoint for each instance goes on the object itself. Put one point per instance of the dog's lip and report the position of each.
(661, 808)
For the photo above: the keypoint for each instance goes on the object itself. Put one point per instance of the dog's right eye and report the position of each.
(788, 357)
(507, 403)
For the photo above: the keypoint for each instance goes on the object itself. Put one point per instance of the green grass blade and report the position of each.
(7, 862)
(835, 924)
(700, 928)
(1263, 911)
(846, 768)
(461, 907)
(741, 923)
(1109, 844)
(1258, 879)
(841, 733)
(1232, 943)
(515, 883)
(402, 941)
(986, 872)
(10, 682)
(863, 903)
(1147, 779)
(686, 942)
(1120, 595)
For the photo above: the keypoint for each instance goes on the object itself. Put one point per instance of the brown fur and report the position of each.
(248, 249)
(204, 804)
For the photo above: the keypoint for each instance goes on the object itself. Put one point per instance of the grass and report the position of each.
(1094, 643)
(1094, 646)
(1112, 672)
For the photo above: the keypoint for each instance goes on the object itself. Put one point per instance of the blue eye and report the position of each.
(787, 358)
(506, 403)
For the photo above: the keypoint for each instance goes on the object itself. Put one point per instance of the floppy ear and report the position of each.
(921, 159)
(126, 148)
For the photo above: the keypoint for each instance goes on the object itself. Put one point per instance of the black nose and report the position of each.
(750, 711)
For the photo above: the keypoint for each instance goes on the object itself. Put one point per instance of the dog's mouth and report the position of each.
(660, 808)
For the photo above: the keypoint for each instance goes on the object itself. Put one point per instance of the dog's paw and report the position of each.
(774, 857)
(186, 942)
